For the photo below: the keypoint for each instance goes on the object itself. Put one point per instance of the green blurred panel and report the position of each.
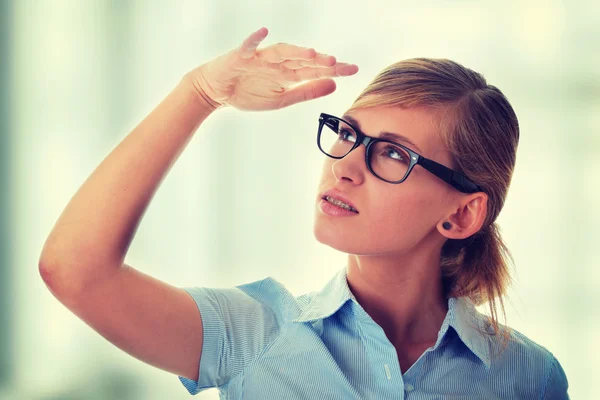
(6, 339)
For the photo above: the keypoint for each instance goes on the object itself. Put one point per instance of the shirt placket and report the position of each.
(383, 359)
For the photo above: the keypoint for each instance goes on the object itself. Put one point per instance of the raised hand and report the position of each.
(254, 79)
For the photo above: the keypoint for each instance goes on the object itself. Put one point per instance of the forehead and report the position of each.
(419, 125)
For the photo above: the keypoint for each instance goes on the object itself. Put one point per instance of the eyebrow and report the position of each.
(384, 135)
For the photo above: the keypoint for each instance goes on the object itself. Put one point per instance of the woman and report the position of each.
(416, 173)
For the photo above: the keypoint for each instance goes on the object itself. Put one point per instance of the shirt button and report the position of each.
(409, 387)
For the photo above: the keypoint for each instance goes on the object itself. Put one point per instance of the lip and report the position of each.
(336, 194)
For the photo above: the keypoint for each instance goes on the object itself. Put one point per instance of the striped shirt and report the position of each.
(261, 342)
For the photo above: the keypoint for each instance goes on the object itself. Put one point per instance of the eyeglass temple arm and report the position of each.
(454, 178)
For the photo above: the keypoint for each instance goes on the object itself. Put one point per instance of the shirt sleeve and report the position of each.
(556, 384)
(236, 326)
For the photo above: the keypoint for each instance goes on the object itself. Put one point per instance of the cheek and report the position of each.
(396, 214)
(405, 217)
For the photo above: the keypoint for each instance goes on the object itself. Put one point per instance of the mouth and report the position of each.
(339, 203)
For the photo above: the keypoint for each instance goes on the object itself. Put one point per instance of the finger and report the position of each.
(308, 91)
(339, 69)
(324, 60)
(321, 60)
(295, 64)
(251, 43)
(284, 51)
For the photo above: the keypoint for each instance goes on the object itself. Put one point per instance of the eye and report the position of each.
(396, 154)
(345, 134)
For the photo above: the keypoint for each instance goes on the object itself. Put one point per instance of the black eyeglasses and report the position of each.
(387, 160)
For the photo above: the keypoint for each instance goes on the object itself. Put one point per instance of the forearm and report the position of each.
(92, 235)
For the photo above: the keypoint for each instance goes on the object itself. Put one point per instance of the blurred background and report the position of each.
(77, 76)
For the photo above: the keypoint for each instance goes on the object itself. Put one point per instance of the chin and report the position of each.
(335, 238)
(345, 241)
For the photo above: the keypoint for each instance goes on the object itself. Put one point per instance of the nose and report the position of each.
(352, 167)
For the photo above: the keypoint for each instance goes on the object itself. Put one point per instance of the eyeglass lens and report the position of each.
(388, 161)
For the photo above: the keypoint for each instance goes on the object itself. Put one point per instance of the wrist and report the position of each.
(199, 95)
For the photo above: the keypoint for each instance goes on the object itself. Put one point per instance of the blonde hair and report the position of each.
(480, 129)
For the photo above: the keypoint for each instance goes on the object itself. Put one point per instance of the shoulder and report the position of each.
(267, 295)
(532, 364)
(277, 297)
(519, 345)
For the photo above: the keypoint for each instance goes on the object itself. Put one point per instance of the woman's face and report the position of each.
(391, 218)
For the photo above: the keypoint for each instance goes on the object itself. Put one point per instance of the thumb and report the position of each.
(307, 91)
(250, 44)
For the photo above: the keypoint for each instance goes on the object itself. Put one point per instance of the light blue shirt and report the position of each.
(261, 342)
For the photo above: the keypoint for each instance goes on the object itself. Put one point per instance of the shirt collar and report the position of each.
(470, 325)
(328, 300)
(462, 315)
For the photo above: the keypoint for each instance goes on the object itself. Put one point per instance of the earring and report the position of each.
(447, 225)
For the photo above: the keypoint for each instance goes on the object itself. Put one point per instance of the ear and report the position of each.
(468, 218)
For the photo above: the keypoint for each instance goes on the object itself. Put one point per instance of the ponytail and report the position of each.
(477, 267)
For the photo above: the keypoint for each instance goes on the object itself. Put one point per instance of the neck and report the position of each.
(402, 293)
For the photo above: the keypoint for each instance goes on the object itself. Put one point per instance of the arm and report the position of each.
(82, 261)
(556, 383)
(89, 241)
